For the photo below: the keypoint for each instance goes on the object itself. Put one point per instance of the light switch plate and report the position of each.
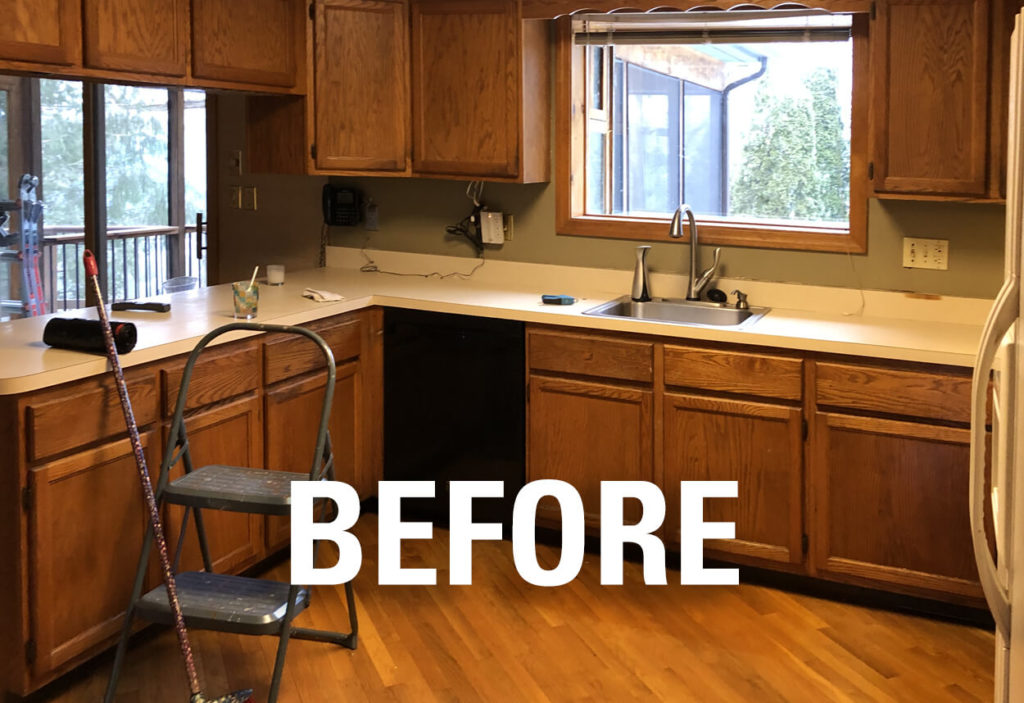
(925, 253)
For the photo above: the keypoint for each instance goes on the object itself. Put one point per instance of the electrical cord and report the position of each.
(860, 287)
(371, 267)
(470, 226)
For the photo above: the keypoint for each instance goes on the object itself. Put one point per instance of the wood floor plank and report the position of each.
(502, 639)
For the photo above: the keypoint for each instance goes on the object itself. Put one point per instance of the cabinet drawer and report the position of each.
(221, 373)
(937, 396)
(734, 372)
(285, 356)
(592, 356)
(86, 412)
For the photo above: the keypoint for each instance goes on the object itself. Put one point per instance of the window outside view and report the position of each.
(150, 217)
(742, 131)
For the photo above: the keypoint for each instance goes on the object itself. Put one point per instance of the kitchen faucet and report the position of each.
(675, 231)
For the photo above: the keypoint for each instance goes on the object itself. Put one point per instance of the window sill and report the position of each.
(727, 234)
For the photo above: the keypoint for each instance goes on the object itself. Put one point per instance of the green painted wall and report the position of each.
(413, 214)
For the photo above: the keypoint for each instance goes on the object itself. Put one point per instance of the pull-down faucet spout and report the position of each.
(675, 230)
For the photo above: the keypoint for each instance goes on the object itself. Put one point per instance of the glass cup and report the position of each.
(246, 299)
(275, 274)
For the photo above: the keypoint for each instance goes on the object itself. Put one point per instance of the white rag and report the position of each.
(321, 296)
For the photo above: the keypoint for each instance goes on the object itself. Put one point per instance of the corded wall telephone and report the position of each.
(342, 206)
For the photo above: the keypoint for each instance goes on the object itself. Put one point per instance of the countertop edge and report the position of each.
(527, 308)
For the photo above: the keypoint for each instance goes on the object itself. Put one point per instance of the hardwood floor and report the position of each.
(504, 640)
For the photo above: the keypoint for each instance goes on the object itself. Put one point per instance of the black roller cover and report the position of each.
(87, 335)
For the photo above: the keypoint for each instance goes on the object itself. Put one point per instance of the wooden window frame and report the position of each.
(571, 94)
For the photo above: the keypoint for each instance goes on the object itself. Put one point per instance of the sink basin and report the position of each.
(680, 312)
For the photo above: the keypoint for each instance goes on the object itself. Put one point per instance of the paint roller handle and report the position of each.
(91, 268)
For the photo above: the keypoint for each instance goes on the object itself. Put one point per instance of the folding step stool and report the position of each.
(223, 602)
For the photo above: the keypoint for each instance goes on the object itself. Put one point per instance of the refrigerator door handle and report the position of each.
(1004, 312)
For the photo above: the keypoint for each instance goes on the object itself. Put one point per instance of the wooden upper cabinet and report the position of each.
(931, 97)
(42, 31)
(361, 86)
(479, 88)
(138, 36)
(256, 41)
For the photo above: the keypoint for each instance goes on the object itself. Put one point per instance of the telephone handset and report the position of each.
(342, 206)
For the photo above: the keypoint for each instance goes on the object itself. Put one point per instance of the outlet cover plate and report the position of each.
(921, 253)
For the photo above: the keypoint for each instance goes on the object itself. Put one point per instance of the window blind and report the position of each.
(711, 27)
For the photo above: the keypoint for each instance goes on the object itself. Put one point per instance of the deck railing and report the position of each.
(138, 262)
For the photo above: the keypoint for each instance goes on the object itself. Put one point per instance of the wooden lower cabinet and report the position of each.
(225, 434)
(86, 525)
(292, 420)
(584, 433)
(74, 509)
(758, 445)
(890, 506)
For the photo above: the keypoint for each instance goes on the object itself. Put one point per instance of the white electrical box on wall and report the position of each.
(492, 227)
(925, 253)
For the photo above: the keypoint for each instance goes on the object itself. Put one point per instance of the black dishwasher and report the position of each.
(454, 408)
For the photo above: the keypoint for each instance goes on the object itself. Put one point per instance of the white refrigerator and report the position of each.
(999, 358)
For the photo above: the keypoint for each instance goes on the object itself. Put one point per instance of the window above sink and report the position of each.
(754, 118)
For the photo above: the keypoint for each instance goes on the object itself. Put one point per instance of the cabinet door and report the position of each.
(466, 87)
(361, 85)
(931, 97)
(228, 434)
(292, 421)
(87, 522)
(758, 445)
(585, 433)
(890, 506)
(255, 41)
(43, 31)
(140, 36)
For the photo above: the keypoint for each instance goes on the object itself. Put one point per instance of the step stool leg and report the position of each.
(282, 646)
(204, 546)
(353, 620)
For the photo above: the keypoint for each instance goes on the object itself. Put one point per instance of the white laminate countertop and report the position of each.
(930, 329)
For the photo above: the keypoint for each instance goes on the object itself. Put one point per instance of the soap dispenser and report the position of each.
(641, 277)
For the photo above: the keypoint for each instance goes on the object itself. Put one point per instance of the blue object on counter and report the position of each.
(558, 299)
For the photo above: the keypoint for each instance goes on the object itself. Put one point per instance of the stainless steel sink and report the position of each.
(680, 312)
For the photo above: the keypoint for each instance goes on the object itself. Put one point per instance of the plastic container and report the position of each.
(180, 284)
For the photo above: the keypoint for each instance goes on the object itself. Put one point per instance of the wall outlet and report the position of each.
(509, 221)
(235, 162)
(925, 253)
(249, 198)
(492, 228)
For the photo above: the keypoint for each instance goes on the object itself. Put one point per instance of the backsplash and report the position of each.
(413, 214)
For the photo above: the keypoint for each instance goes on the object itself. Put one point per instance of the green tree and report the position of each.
(136, 134)
(63, 180)
(796, 162)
